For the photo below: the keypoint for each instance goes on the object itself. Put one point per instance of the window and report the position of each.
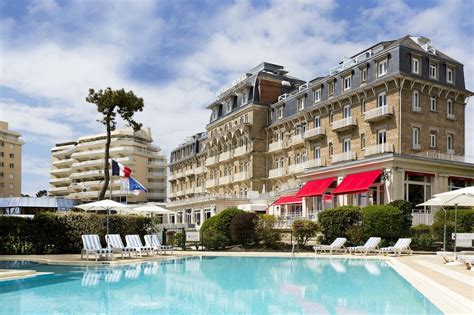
(433, 71)
(331, 88)
(416, 138)
(347, 83)
(417, 189)
(382, 136)
(450, 143)
(363, 75)
(297, 130)
(12, 155)
(317, 122)
(228, 107)
(433, 102)
(346, 111)
(382, 68)
(331, 149)
(317, 153)
(449, 75)
(362, 140)
(214, 114)
(280, 112)
(362, 105)
(433, 135)
(12, 165)
(450, 108)
(301, 103)
(11, 186)
(303, 128)
(415, 65)
(415, 102)
(346, 145)
(331, 116)
(245, 97)
(11, 176)
(382, 99)
(317, 95)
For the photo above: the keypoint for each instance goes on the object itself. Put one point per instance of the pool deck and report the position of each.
(450, 288)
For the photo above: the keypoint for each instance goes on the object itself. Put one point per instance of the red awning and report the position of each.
(358, 182)
(467, 179)
(315, 187)
(286, 200)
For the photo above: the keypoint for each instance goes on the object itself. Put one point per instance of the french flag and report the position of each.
(120, 169)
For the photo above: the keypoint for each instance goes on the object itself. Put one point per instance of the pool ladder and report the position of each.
(293, 247)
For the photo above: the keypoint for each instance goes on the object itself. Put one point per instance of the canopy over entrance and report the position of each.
(358, 182)
(315, 187)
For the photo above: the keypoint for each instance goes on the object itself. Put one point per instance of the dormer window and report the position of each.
(228, 107)
(301, 103)
(363, 75)
(245, 98)
(434, 71)
(331, 88)
(382, 68)
(347, 82)
(449, 75)
(317, 95)
(214, 114)
(415, 65)
(280, 112)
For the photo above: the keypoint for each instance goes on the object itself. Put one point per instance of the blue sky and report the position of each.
(177, 54)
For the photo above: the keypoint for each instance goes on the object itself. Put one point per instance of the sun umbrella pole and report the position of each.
(444, 235)
(455, 227)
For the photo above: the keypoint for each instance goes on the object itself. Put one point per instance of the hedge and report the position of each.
(407, 217)
(383, 221)
(215, 231)
(266, 232)
(242, 228)
(336, 222)
(53, 233)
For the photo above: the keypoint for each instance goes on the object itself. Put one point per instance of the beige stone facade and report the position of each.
(10, 161)
(77, 167)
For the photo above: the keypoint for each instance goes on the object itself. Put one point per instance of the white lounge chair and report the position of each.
(400, 247)
(135, 242)
(371, 245)
(92, 246)
(154, 242)
(114, 241)
(337, 245)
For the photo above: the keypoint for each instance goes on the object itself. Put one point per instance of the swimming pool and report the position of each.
(216, 285)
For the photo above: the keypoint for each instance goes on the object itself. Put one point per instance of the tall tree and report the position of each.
(110, 102)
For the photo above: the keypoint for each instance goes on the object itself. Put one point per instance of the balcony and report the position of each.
(212, 160)
(179, 174)
(189, 191)
(344, 124)
(378, 149)
(224, 180)
(378, 113)
(63, 162)
(189, 172)
(64, 189)
(57, 181)
(342, 157)
(156, 195)
(275, 146)
(224, 156)
(199, 190)
(211, 183)
(276, 172)
(171, 177)
(451, 152)
(297, 139)
(313, 163)
(157, 164)
(296, 168)
(314, 133)
(95, 173)
(61, 171)
(451, 116)
(240, 151)
(240, 176)
(199, 170)
(156, 185)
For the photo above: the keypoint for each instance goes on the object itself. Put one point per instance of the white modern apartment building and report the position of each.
(77, 166)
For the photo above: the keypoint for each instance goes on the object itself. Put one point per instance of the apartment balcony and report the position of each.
(241, 176)
(296, 168)
(313, 163)
(199, 190)
(179, 193)
(61, 171)
(117, 151)
(156, 174)
(276, 172)
(179, 174)
(239, 151)
(378, 149)
(65, 162)
(172, 177)
(451, 116)
(57, 190)
(297, 139)
(156, 195)
(189, 191)
(314, 133)
(379, 113)
(344, 124)
(189, 172)
(60, 181)
(199, 170)
(94, 173)
(211, 183)
(212, 160)
(445, 156)
(224, 156)
(224, 180)
(275, 146)
(157, 164)
(156, 185)
(451, 152)
(343, 157)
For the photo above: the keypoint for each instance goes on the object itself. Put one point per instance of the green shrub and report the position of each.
(384, 221)
(420, 229)
(224, 219)
(242, 228)
(266, 232)
(220, 223)
(214, 239)
(355, 235)
(303, 230)
(465, 219)
(406, 209)
(335, 222)
(424, 242)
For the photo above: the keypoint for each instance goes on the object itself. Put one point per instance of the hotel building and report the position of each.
(384, 124)
(10, 162)
(77, 166)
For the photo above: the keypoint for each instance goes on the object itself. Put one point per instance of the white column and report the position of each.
(304, 209)
(193, 218)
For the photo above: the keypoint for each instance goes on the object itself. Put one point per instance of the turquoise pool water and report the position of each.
(216, 285)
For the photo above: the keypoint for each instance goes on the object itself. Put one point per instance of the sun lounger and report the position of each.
(92, 246)
(400, 247)
(154, 242)
(90, 278)
(133, 272)
(135, 242)
(337, 245)
(371, 245)
(114, 241)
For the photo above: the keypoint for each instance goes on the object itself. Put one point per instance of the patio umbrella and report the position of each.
(153, 209)
(106, 205)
